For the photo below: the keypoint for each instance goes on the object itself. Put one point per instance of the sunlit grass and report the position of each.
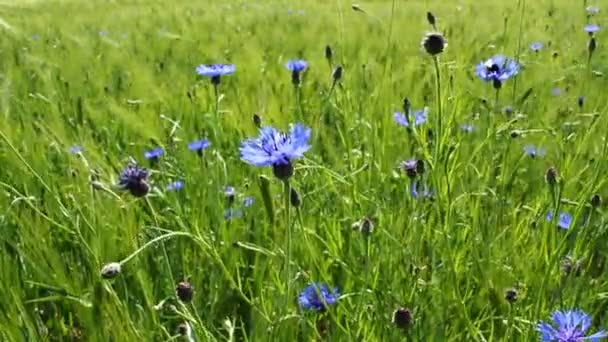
(119, 79)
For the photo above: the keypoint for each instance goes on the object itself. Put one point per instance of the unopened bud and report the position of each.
(184, 291)
(337, 75)
(403, 318)
(596, 201)
(511, 295)
(328, 53)
(257, 120)
(111, 270)
(430, 18)
(552, 176)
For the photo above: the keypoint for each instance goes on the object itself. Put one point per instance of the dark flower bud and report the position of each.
(283, 171)
(257, 120)
(337, 75)
(184, 291)
(511, 295)
(555, 54)
(571, 266)
(596, 201)
(294, 197)
(357, 8)
(515, 133)
(508, 110)
(365, 226)
(410, 167)
(430, 18)
(552, 176)
(434, 43)
(328, 53)
(403, 318)
(184, 329)
(111, 270)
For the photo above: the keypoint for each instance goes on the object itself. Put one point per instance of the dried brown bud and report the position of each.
(184, 291)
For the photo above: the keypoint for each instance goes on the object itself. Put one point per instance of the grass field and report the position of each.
(87, 87)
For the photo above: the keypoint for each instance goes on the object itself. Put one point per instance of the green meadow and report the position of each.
(499, 224)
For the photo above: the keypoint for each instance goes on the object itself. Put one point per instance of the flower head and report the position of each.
(154, 154)
(76, 149)
(565, 219)
(420, 116)
(593, 10)
(592, 28)
(318, 297)
(297, 65)
(434, 43)
(135, 179)
(467, 128)
(497, 70)
(177, 185)
(536, 46)
(277, 149)
(535, 152)
(568, 326)
(215, 70)
(248, 202)
(199, 145)
(410, 167)
(229, 191)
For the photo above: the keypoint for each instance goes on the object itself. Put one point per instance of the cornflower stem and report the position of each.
(439, 108)
(287, 195)
(217, 100)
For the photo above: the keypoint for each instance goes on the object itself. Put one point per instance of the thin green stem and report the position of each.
(151, 242)
(287, 194)
(439, 108)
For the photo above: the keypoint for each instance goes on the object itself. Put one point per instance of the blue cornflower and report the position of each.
(536, 46)
(154, 154)
(569, 326)
(177, 185)
(297, 66)
(593, 10)
(565, 219)
(535, 152)
(215, 71)
(232, 213)
(318, 297)
(467, 128)
(229, 191)
(420, 116)
(199, 145)
(497, 70)
(35, 36)
(248, 201)
(135, 179)
(556, 91)
(422, 192)
(277, 149)
(508, 110)
(76, 149)
(592, 28)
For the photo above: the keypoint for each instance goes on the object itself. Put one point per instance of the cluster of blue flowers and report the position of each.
(280, 150)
